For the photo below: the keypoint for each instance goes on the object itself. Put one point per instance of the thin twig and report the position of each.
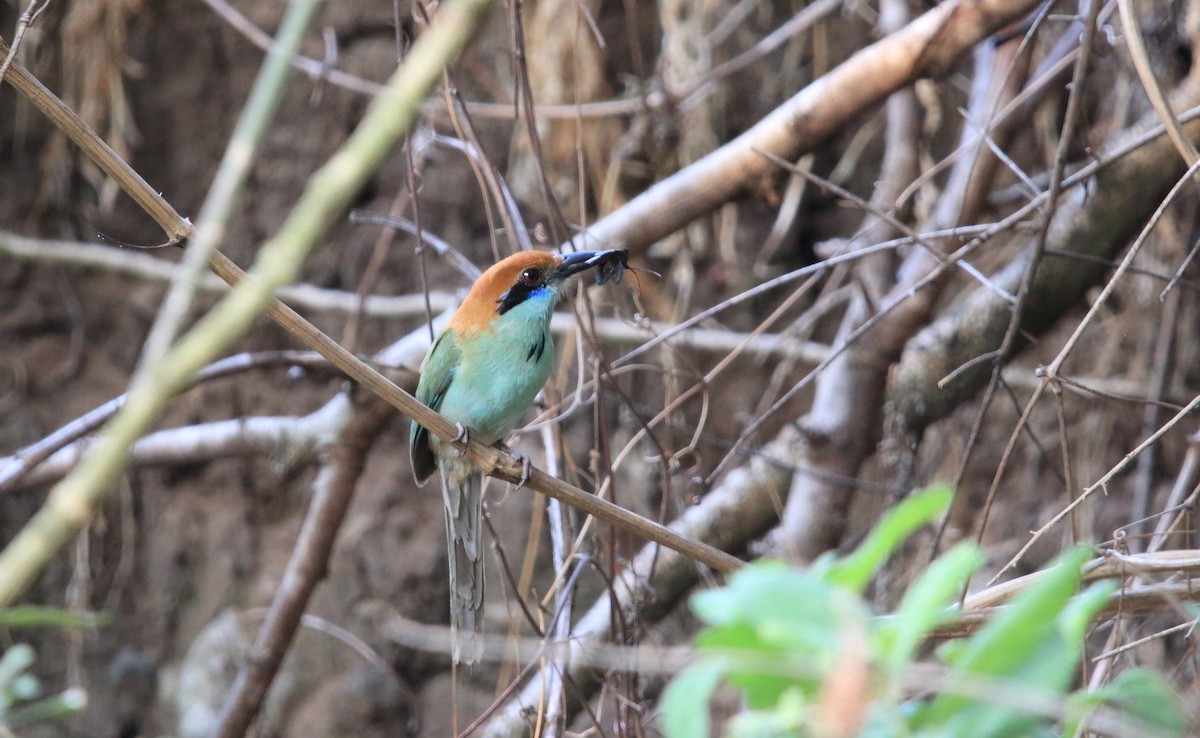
(1145, 72)
(1160, 372)
(1101, 483)
(1065, 141)
(809, 16)
(893, 222)
(73, 502)
(452, 255)
(1112, 653)
(514, 222)
(16, 465)
(1051, 371)
(218, 205)
(27, 19)
(1178, 276)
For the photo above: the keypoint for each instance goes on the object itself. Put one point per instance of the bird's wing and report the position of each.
(436, 375)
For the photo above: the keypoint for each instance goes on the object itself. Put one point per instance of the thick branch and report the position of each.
(298, 439)
(15, 469)
(333, 490)
(1097, 220)
(844, 422)
(928, 46)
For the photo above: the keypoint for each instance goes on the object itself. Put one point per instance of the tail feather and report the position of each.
(464, 545)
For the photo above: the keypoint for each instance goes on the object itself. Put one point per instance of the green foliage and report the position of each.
(22, 701)
(34, 616)
(809, 658)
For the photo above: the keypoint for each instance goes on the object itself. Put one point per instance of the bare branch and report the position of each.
(844, 417)
(297, 439)
(743, 506)
(333, 490)
(1096, 222)
(926, 47)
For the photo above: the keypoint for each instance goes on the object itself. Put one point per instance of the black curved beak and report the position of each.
(609, 265)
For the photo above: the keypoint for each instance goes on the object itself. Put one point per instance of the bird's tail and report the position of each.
(464, 542)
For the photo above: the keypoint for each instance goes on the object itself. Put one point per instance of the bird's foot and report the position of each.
(461, 438)
(526, 464)
(526, 468)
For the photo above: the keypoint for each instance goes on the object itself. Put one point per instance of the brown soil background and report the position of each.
(183, 547)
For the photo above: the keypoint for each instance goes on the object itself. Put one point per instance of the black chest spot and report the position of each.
(537, 349)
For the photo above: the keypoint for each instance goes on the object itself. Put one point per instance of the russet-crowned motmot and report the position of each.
(482, 373)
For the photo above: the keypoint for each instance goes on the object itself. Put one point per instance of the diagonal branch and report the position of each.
(73, 503)
(927, 47)
(1095, 222)
(743, 506)
(333, 490)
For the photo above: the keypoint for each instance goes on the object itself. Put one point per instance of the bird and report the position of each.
(482, 373)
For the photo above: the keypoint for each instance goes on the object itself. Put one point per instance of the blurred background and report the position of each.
(195, 541)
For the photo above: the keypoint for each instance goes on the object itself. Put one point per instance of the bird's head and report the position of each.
(530, 275)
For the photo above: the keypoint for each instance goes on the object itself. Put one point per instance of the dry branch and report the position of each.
(333, 490)
(742, 507)
(55, 454)
(927, 47)
(1094, 221)
(144, 266)
(1112, 565)
(311, 297)
(297, 439)
(843, 419)
(1134, 600)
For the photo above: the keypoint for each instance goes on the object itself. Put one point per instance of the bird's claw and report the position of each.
(461, 438)
(526, 468)
(526, 464)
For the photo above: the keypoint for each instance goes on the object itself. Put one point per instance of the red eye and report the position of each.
(531, 277)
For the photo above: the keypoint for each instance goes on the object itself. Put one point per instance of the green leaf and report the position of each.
(732, 637)
(32, 616)
(855, 571)
(785, 608)
(685, 701)
(772, 610)
(1004, 643)
(1143, 695)
(762, 691)
(761, 591)
(1046, 673)
(786, 720)
(1076, 617)
(1013, 642)
(925, 604)
(1050, 669)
